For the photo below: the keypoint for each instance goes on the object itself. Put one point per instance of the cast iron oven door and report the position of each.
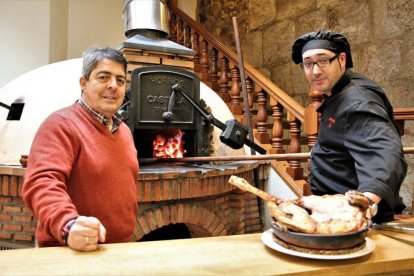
(150, 94)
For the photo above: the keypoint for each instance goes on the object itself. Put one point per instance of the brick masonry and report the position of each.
(17, 223)
(200, 198)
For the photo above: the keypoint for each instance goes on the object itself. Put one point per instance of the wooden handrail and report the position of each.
(287, 113)
(206, 159)
(404, 113)
(408, 150)
(291, 105)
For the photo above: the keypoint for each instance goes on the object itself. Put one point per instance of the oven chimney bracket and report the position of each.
(234, 133)
(15, 111)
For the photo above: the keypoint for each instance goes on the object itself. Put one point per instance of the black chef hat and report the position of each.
(334, 42)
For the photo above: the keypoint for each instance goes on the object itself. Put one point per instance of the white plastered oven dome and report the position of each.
(54, 86)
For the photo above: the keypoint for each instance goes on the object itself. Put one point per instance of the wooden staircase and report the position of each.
(280, 124)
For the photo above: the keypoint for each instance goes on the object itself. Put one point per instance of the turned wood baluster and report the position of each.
(173, 27)
(213, 71)
(277, 129)
(311, 123)
(307, 188)
(180, 32)
(249, 90)
(261, 119)
(294, 169)
(311, 126)
(196, 51)
(235, 103)
(204, 61)
(187, 36)
(224, 80)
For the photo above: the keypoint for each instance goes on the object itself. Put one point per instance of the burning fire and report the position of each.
(171, 147)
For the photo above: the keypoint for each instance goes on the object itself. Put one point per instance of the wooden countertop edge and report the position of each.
(12, 170)
(378, 262)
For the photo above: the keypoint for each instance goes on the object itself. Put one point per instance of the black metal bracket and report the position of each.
(15, 111)
(234, 133)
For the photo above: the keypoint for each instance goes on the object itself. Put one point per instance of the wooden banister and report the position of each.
(402, 113)
(290, 104)
(273, 111)
(408, 150)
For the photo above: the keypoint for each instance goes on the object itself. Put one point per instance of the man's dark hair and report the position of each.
(92, 56)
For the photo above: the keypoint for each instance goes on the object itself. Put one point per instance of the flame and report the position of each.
(171, 147)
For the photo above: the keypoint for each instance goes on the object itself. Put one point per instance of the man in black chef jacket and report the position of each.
(359, 146)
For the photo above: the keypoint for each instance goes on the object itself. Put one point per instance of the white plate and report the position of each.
(267, 239)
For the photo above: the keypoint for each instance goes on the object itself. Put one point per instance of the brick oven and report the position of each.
(177, 200)
(182, 200)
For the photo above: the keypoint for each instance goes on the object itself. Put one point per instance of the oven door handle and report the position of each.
(232, 129)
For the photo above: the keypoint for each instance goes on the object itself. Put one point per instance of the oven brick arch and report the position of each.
(199, 196)
(190, 214)
(201, 199)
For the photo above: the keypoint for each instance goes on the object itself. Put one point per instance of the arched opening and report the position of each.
(168, 232)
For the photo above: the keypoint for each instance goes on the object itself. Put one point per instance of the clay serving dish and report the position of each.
(321, 241)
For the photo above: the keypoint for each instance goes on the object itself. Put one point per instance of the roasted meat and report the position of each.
(328, 214)
(335, 213)
(288, 214)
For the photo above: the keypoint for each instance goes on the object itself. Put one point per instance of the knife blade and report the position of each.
(402, 227)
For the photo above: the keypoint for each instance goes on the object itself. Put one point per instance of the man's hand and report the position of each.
(372, 210)
(85, 234)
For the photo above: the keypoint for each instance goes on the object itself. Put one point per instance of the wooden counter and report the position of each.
(231, 255)
(403, 237)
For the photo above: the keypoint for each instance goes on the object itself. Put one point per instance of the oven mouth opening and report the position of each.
(144, 141)
(168, 232)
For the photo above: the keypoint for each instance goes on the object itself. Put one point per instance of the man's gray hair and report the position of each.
(93, 56)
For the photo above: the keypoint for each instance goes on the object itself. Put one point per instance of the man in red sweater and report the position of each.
(82, 169)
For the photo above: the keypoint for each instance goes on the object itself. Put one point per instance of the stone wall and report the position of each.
(381, 34)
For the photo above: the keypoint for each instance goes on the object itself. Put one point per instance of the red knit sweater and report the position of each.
(76, 166)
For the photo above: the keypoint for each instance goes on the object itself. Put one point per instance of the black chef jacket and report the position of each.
(358, 145)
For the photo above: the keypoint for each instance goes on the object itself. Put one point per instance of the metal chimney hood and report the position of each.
(146, 26)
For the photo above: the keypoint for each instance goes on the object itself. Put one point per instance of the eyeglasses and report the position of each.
(323, 62)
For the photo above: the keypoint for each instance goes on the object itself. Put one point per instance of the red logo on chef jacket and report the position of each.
(331, 122)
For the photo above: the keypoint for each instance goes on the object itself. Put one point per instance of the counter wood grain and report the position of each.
(228, 255)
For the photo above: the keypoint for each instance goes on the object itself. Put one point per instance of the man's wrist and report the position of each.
(373, 207)
(66, 230)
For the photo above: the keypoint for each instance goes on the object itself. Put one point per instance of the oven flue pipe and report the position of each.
(148, 17)
(146, 24)
(234, 133)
